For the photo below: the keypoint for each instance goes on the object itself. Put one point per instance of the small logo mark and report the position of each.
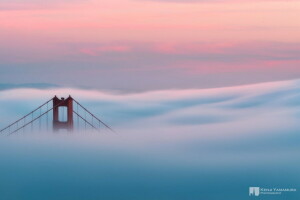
(253, 191)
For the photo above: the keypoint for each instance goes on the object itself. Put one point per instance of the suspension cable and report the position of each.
(86, 122)
(94, 116)
(25, 116)
(37, 117)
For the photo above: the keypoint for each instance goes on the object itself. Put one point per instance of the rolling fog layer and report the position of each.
(174, 144)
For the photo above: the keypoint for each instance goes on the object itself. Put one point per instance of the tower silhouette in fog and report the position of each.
(68, 123)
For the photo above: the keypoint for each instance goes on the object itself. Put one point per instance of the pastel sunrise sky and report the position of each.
(139, 45)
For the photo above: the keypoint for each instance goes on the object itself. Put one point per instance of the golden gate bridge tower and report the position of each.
(68, 103)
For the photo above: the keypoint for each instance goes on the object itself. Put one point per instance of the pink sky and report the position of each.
(110, 37)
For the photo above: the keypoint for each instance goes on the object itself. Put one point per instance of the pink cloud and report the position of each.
(177, 48)
(94, 51)
(252, 66)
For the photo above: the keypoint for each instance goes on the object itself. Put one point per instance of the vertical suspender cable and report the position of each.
(24, 124)
(77, 117)
(40, 120)
(47, 119)
(32, 122)
(85, 120)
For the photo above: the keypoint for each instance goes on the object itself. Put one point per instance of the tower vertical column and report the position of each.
(70, 113)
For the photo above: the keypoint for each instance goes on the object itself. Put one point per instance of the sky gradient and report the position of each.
(132, 45)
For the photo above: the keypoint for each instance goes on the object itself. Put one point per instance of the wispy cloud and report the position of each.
(15, 5)
(179, 106)
(106, 49)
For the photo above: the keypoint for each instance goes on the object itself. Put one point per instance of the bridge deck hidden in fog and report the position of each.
(64, 114)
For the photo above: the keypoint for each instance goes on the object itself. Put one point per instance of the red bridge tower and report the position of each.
(68, 123)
